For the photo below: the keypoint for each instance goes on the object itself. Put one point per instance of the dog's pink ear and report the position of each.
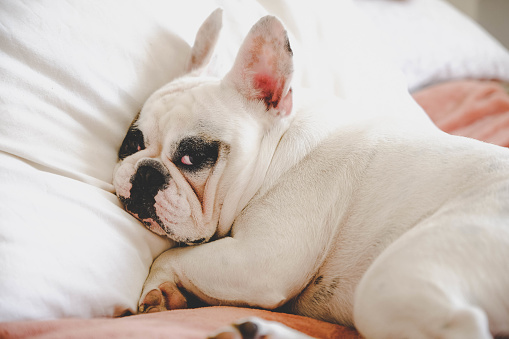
(263, 68)
(205, 41)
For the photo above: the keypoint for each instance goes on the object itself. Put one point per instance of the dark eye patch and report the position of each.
(133, 141)
(195, 153)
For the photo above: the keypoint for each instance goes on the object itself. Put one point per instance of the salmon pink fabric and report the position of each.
(471, 108)
(177, 324)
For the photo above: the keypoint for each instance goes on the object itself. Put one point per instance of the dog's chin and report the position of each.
(167, 231)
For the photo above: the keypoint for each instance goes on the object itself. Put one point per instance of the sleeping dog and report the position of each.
(338, 213)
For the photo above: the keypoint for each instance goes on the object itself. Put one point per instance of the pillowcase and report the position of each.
(433, 42)
(178, 324)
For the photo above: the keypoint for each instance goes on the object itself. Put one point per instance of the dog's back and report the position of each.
(435, 209)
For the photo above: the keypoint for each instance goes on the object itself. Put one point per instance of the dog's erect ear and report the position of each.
(205, 41)
(263, 68)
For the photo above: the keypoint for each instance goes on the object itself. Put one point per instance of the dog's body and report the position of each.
(391, 226)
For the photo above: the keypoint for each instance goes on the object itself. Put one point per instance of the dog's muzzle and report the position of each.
(149, 178)
(149, 193)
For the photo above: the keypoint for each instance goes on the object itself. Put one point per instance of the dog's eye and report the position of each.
(195, 153)
(187, 160)
(194, 160)
(133, 142)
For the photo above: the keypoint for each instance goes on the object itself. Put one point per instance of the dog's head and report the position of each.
(200, 147)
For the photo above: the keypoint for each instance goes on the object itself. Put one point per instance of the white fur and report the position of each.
(342, 213)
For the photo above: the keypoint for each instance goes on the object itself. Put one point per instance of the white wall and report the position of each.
(493, 15)
(468, 7)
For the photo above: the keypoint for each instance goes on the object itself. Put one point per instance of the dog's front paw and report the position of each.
(256, 328)
(166, 296)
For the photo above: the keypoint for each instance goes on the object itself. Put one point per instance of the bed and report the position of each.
(73, 76)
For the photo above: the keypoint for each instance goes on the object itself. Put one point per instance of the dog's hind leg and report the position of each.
(437, 282)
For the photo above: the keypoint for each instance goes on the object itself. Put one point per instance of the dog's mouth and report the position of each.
(149, 218)
(143, 210)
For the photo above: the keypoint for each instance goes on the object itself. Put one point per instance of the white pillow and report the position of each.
(433, 42)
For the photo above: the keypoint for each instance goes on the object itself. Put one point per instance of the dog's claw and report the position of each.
(166, 297)
(153, 302)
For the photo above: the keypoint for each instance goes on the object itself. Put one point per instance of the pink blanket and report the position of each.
(475, 109)
(178, 324)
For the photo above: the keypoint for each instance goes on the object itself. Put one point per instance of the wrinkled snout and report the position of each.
(150, 178)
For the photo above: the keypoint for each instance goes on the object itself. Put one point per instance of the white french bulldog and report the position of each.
(393, 227)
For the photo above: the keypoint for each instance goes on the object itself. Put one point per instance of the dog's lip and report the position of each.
(151, 225)
(196, 242)
(156, 227)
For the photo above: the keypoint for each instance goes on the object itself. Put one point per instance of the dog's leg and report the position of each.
(448, 279)
(224, 272)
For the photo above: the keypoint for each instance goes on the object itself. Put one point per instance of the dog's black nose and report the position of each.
(149, 178)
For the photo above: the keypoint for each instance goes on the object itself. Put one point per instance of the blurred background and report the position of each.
(493, 15)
